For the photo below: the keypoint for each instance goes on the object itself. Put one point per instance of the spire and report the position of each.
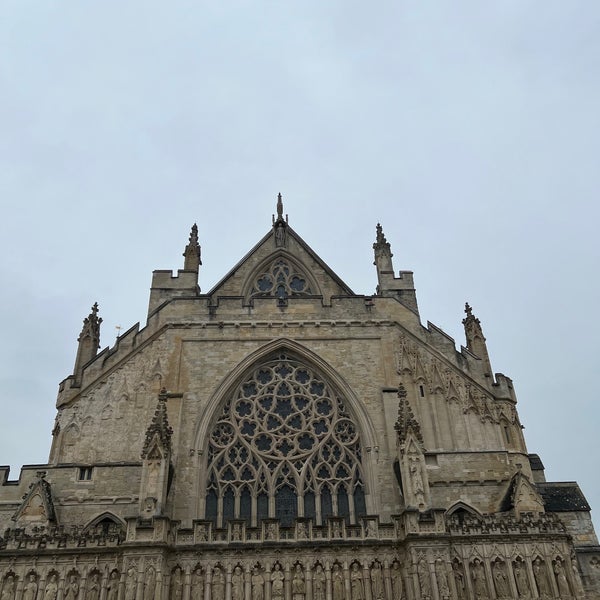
(89, 341)
(158, 429)
(476, 340)
(192, 251)
(383, 254)
(406, 423)
(280, 224)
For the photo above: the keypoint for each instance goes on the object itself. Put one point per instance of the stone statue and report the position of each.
(459, 580)
(277, 582)
(72, 588)
(417, 481)
(197, 587)
(500, 580)
(31, 588)
(575, 571)
(237, 584)
(424, 579)
(9, 588)
(522, 579)
(176, 584)
(130, 583)
(218, 584)
(51, 590)
(319, 583)
(561, 579)
(397, 585)
(357, 591)
(541, 578)
(112, 588)
(377, 581)
(298, 587)
(150, 583)
(258, 584)
(301, 532)
(337, 577)
(93, 588)
(442, 579)
(480, 588)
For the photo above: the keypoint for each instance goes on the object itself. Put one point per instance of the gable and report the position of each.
(281, 266)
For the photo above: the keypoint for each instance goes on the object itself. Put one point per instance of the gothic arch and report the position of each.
(283, 268)
(108, 522)
(347, 424)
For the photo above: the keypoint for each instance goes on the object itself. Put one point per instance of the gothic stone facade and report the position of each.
(283, 438)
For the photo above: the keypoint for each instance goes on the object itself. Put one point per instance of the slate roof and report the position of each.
(562, 497)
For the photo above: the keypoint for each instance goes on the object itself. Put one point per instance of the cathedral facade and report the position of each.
(284, 438)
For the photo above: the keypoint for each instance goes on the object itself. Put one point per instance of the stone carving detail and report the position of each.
(377, 588)
(176, 584)
(150, 583)
(93, 586)
(237, 584)
(480, 586)
(564, 589)
(442, 579)
(500, 578)
(30, 589)
(357, 590)
(337, 582)
(51, 589)
(257, 584)
(218, 584)
(298, 585)
(424, 579)
(281, 279)
(112, 588)
(458, 572)
(72, 586)
(521, 578)
(397, 585)
(131, 583)
(9, 587)
(197, 585)
(277, 582)
(286, 432)
(319, 583)
(540, 575)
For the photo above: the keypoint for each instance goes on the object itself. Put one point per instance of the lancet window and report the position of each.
(284, 446)
(281, 280)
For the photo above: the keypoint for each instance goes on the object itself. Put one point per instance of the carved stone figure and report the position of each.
(51, 590)
(93, 587)
(176, 584)
(319, 583)
(237, 584)
(277, 582)
(500, 580)
(480, 588)
(541, 578)
(150, 583)
(9, 588)
(397, 585)
(337, 582)
(424, 579)
(130, 583)
(417, 481)
(377, 581)
(442, 579)
(301, 531)
(357, 591)
(564, 589)
(298, 587)
(258, 584)
(197, 586)
(575, 571)
(112, 588)
(459, 580)
(522, 579)
(218, 584)
(72, 588)
(31, 587)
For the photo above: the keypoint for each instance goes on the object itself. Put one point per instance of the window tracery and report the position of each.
(284, 446)
(281, 280)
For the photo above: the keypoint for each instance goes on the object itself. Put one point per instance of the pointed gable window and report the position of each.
(281, 280)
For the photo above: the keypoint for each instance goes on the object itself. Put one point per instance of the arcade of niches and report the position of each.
(282, 437)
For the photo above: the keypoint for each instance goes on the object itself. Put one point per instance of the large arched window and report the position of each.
(284, 446)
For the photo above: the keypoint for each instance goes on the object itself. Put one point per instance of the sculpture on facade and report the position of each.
(258, 584)
(51, 589)
(150, 583)
(377, 581)
(197, 585)
(564, 589)
(112, 588)
(541, 578)
(500, 580)
(397, 585)
(319, 583)
(337, 582)
(93, 587)
(442, 579)
(72, 587)
(424, 579)
(237, 584)
(218, 584)
(298, 586)
(30, 589)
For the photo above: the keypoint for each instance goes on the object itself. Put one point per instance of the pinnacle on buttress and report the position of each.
(159, 429)
(192, 251)
(280, 224)
(383, 252)
(475, 339)
(89, 341)
(406, 422)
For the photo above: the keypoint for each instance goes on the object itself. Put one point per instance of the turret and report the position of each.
(89, 342)
(476, 341)
(401, 287)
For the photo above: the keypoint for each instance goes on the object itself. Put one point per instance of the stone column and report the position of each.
(159, 584)
(187, 581)
(328, 594)
(61, 586)
(267, 588)
(347, 589)
(511, 578)
(387, 581)
(228, 573)
(490, 579)
(248, 583)
(532, 583)
(433, 579)
(468, 582)
(366, 580)
(287, 583)
(308, 581)
(207, 582)
(139, 590)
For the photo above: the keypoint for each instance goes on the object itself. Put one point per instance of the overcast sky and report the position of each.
(471, 130)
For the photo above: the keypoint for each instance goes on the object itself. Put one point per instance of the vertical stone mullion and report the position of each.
(490, 578)
(228, 574)
(308, 579)
(287, 583)
(366, 579)
(187, 581)
(347, 589)
(387, 582)
(328, 593)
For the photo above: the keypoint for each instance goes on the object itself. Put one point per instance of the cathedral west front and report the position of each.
(282, 437)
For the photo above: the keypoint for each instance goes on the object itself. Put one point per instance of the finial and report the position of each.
(192, 251)
(279, 207)
(468, 310)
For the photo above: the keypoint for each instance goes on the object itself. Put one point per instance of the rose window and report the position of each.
(281, 280)
(284, 446)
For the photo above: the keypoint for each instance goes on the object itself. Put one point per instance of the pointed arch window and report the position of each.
(284, 446)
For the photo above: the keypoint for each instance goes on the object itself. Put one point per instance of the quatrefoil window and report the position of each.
(284, 446)
(281, 280)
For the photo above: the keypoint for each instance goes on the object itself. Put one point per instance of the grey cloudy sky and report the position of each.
(471, 130)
